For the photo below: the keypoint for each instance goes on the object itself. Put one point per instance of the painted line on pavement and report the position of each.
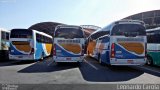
(148, 69)
(91, 64)
(50, 63)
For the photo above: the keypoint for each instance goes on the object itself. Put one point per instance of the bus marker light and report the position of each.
(112, 50)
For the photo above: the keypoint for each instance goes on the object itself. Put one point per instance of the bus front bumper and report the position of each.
(21, 57)
(68, 59)
(114, 61)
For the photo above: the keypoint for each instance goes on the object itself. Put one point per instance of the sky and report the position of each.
(24, 13)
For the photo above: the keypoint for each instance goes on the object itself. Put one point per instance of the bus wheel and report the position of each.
(79, 63)
(149, 61)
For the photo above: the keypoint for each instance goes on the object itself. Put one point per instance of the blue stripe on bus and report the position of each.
(125, 54)
(105, 57)
(64, 53)
(39, 51)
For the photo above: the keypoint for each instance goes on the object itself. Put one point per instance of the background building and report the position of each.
(49, 27)
(88, 29)
(46, 27)
(151, 18)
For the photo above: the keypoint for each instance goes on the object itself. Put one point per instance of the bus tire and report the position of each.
(149, 61)
(79, 63)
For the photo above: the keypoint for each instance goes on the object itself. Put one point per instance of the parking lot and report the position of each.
(88, 72)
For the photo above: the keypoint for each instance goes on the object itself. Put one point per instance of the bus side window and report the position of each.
(3, 35)
(38, 38)
(50, 40)
(99, 41)
(45, 39)
(107, 40)
(7, 36)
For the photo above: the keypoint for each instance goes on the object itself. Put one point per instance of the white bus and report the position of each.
(153, 46)
(68, 44)
(124, 43)
(26, 44)
(4, 43)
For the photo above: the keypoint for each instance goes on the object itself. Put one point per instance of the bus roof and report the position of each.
(154, 29)
(103, 36)
(42, 33)
(95, 32)
(124, 21)
(68, 26)
(2, 29)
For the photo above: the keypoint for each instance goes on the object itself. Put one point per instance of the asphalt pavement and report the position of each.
(87, 72)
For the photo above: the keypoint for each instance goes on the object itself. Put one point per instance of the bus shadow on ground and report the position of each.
(41, 67)
(23, 62)
(8, 62)
(14, 62)
(153, 70)
(104, 73)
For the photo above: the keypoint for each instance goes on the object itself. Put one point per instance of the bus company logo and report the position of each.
(9, 87)
(68, 41)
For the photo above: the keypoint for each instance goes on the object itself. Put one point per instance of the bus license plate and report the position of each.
(19, 56)
(130, 61)
(68, 58)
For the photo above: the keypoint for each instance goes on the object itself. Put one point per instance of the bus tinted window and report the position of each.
(43, 39)
(128, 30)
(5, 35)
(21, 33)
(20, 42)
(69, 33)
(153, 37)
(99, 34)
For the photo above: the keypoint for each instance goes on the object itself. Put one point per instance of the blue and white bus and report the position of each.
(124, 43)
(4, 43)
(27, 44)
(68, 44)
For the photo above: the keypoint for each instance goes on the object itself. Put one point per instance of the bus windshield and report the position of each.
(69, 33)
(21, 33)
(128, 30)
(153, 36)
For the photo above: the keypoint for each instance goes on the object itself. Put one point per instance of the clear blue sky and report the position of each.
(24, 13)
